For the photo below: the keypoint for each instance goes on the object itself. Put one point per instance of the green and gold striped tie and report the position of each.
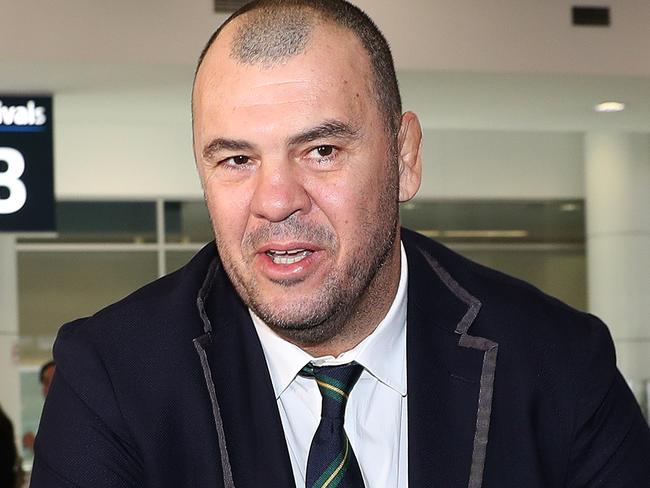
(331, 462)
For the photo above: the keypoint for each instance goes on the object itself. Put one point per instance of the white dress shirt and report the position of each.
(376, 413)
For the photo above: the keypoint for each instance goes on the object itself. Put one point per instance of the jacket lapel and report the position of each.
(251, 439)
(450, 381)
(450, 376)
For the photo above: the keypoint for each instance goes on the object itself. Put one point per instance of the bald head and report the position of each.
(269, 32)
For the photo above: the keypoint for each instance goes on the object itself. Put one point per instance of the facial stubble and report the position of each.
(346, 298)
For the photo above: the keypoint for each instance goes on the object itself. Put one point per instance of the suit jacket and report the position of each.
(507, 387)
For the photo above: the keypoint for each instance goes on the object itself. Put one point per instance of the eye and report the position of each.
(324, 156)
(239, 160)
(325, 151)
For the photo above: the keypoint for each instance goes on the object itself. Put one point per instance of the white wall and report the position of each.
(617, 167)
(136, 143)
(502, 164)
(124, 143)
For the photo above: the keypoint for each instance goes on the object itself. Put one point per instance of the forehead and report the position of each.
(332, 73)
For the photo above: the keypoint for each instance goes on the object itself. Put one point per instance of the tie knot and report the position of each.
(335, 384)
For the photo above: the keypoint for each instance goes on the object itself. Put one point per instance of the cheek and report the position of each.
(345, 205)
(349, 198)
(228, 213)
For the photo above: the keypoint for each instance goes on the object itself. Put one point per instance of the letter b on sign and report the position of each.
(10, 179)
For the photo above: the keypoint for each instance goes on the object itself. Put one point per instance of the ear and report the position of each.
(409, 146)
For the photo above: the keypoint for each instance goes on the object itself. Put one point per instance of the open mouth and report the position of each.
(288, 256)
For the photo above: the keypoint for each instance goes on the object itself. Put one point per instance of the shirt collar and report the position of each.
(382, 353)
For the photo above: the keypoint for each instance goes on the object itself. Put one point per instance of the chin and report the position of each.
(303, 311)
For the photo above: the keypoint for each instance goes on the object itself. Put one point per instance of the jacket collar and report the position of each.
(450, 377)
(450, 381)
(252, 446)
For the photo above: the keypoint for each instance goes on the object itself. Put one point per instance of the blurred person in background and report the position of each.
(11, 475)
(45, 376)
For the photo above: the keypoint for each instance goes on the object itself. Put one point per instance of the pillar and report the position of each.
(617, 170)
(9, 373)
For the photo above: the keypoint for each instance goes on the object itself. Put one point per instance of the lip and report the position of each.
(288, 273)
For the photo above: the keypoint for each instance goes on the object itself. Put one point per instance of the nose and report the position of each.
(279, 192)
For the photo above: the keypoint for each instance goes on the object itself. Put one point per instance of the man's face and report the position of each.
(299, 178)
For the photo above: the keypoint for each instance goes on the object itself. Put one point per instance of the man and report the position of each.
(319, 344)
(45, 375)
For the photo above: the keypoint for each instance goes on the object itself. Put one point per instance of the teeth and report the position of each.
(288, 257)
(290, 252)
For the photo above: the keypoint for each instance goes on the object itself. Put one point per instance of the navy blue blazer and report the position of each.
(507, 388)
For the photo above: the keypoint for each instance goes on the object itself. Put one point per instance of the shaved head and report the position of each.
(269, 32)
(271, 37)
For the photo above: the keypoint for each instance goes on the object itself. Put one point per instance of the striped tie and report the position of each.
(331, 462)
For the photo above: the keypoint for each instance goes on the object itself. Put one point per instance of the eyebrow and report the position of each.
(329, 128)
(221, 144)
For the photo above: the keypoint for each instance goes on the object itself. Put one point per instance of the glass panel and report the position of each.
(558, 272)
(178, 259)
(554, 221)
(541, 242)
(56, 287)
(133, 222)
(31, 400)
(187, 222)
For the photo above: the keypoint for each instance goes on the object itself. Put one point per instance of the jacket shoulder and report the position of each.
(504, 298)
(148, 309)
(142, 342)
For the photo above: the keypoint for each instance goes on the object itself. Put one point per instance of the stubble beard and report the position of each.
(339, 304)
(346, 296)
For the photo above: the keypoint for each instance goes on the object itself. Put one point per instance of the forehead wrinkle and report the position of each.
(281, 93)
(286, 102)
(281, 83)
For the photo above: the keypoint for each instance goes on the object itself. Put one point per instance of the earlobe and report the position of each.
(410, 156)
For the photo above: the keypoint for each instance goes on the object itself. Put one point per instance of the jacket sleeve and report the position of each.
(82, 439)
(611, 441)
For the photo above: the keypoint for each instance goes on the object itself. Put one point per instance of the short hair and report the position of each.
(281, 30)
(41, 374)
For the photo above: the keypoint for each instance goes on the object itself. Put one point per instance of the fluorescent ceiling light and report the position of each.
(475, 234)
(430, 232)
(569, 207)
(610, 107)
(509, 234)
